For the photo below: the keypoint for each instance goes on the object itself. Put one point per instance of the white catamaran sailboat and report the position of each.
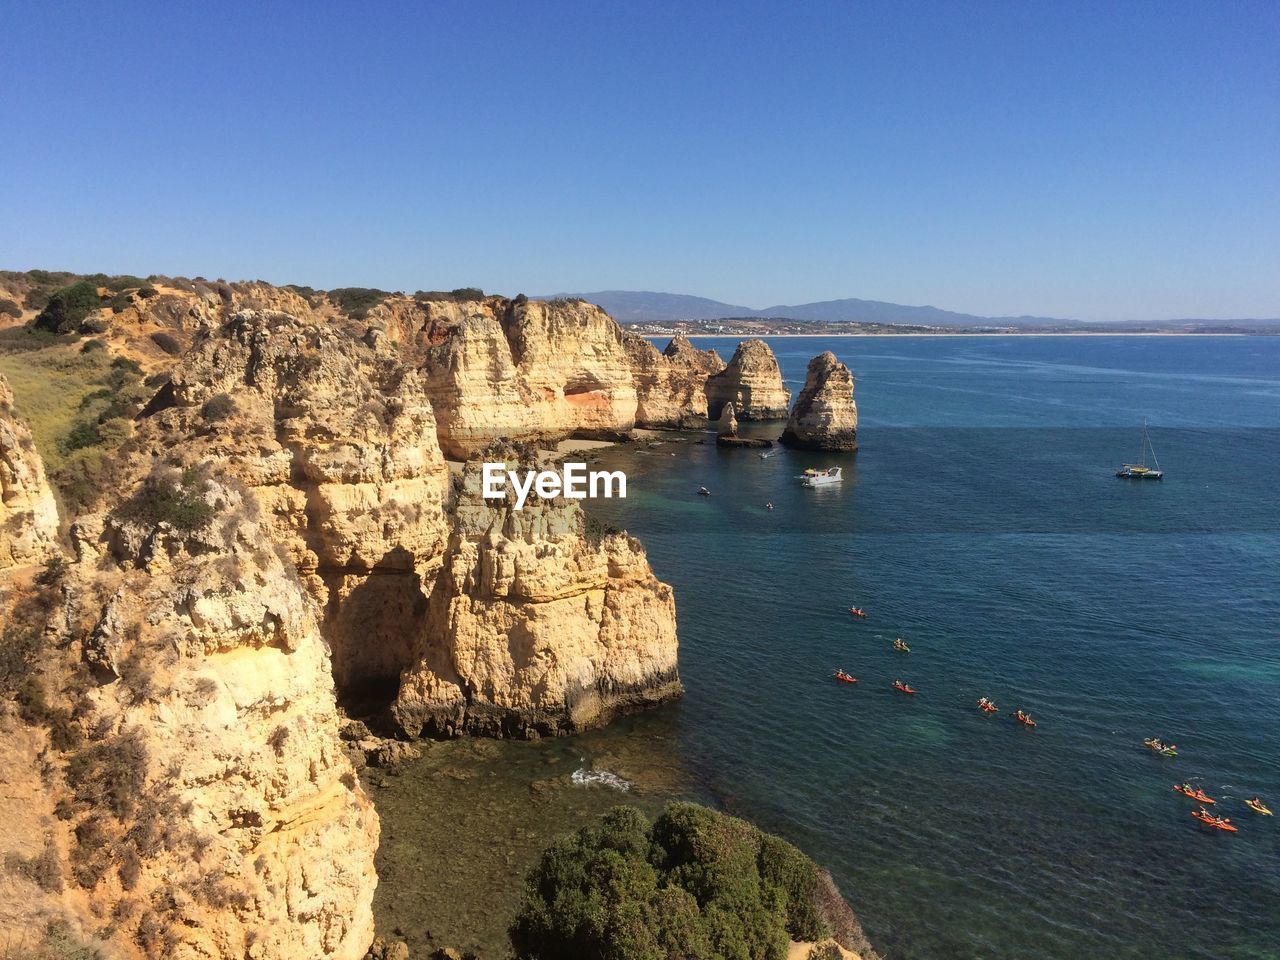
(1140, 471)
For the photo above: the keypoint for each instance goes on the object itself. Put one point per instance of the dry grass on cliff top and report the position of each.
(48, 388)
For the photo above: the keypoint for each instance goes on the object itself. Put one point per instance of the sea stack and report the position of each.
(671, 385)
(825, 416)
(728, 423)
(752, 382)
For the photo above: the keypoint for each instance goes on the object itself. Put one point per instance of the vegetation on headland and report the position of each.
(693, 883)
(80, 403)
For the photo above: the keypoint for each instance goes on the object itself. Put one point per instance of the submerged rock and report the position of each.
(825, 416)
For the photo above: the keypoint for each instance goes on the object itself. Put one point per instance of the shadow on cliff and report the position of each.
(370, 624)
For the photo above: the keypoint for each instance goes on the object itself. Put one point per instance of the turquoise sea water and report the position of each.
(981, 521)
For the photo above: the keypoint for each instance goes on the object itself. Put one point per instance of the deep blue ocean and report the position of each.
(981, 521)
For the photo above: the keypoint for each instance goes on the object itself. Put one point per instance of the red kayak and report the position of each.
(1194, 793)
(902, 687)
(987, 706)
(858, 612)
(845, 677)
(1222, 823)
(1024, 718)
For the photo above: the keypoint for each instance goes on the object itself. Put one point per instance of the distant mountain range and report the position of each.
(637, 306)
(643, 306)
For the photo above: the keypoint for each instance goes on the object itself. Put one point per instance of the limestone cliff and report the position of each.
(212, 813)
(279, 530)
(28, 513)
(671, 386)
(753, 382)
(527, 370)
(825, 416)
(539, 623)
(337, 441)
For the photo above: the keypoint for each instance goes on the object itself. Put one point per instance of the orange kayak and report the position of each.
(988, 707)
(1222, 823)
(845, 677)
(902, 687)
(1024, 719)
(1196, 794)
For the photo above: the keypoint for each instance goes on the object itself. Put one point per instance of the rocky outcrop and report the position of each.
(338, 443)
(213, 814)
(28, 513)
(825, 416)
(671, 386)
(540, 623)
(752, 382)
(527, 370)
(727, 425)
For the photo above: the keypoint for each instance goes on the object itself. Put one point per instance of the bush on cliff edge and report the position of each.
(694, 883)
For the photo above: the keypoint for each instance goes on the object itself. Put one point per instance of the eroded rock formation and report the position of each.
(752, 382)
(212, 814)
(28, 513)
(528, 370)
(337, 441)
(671, 386)
(825, 416)
(539, 623)
(727, 425)
(284, 495)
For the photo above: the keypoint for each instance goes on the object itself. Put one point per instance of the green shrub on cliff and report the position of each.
(694, 883)
(67, 308)
(356, 302)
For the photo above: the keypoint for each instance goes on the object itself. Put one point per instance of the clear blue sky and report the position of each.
(1108, 160)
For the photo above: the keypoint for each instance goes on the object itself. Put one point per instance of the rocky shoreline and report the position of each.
(276, 529)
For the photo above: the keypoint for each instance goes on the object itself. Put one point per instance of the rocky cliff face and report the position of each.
(338, 441)
(671, 386)
(28, 513)
(752, 382)
(825, 416)
(285, 495)
(212, 813)
(526, 370)
(538, 624)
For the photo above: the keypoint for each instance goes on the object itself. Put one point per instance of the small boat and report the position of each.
(704, 492)
(845, 677)
(858, 612)
(1160, 747)
(903, 688)
(767, 454)
(1024, 719)
(1257, 806)
(1140, 471)
(1195, 793)
(1222, 823)
(769, 505)
(900, 644)
(986, 706)
(820, 478)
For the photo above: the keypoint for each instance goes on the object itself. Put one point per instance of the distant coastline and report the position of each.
(991, 333)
